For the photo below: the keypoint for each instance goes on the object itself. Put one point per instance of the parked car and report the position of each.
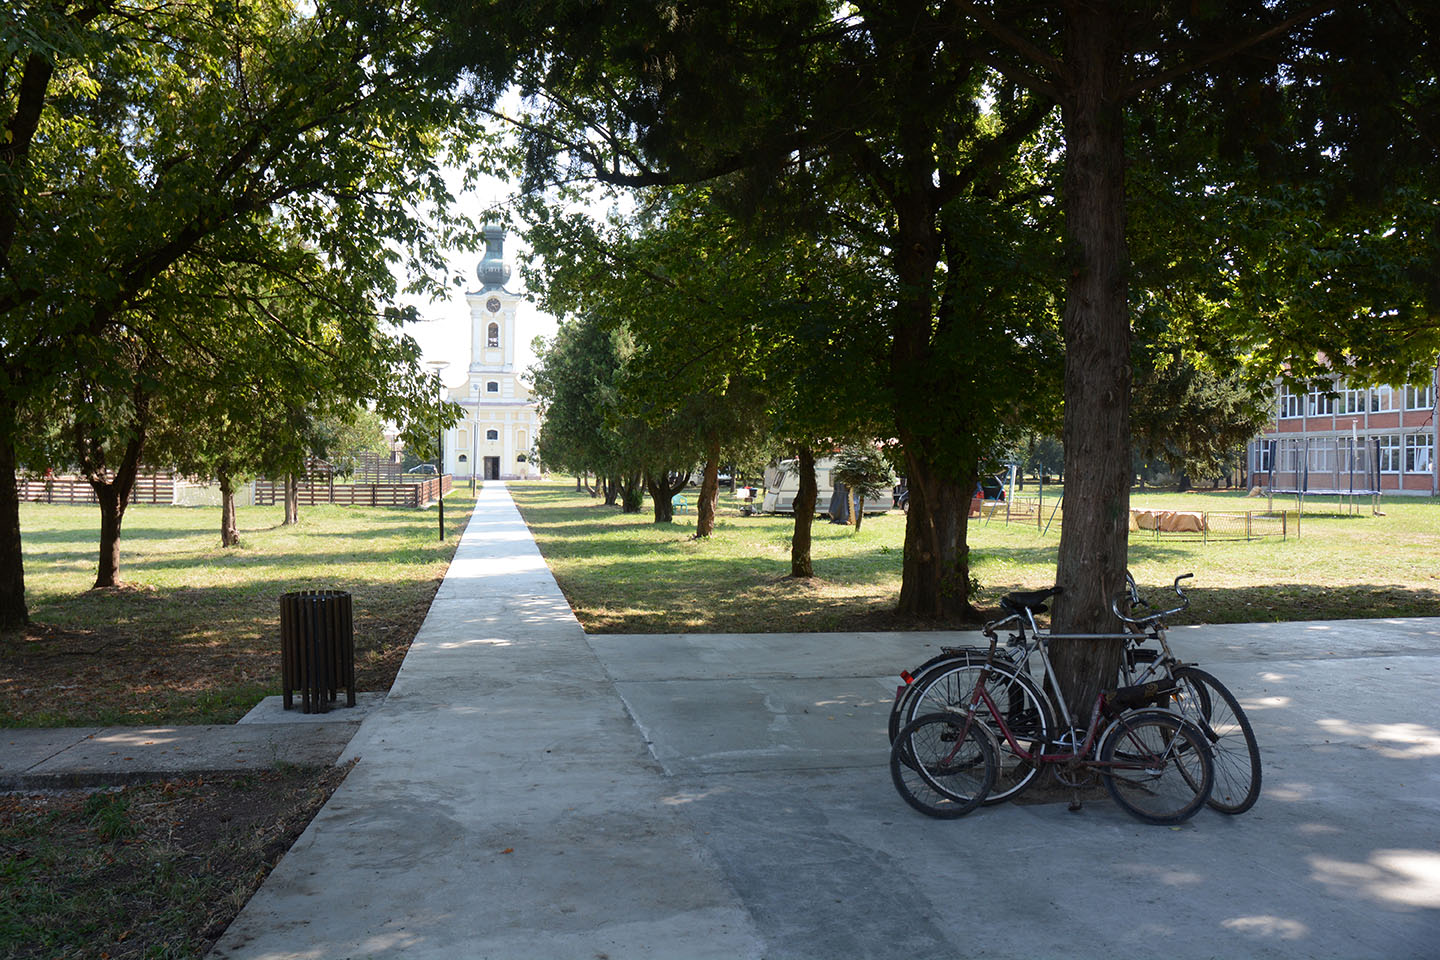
(424, 468)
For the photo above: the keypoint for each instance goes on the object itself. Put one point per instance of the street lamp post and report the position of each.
(474, 446)
(439, 444)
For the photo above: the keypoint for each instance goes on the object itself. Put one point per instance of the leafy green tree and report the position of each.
(143, 137)
(875, 104)
(1254, 100)
(575, 383)
(865, 473)
(348, 432)
(737, 332)
(926, 104)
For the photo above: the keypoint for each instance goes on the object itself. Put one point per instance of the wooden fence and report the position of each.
(154, 488)
(416, 493)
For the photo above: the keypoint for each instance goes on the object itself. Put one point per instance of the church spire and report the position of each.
(493, 271)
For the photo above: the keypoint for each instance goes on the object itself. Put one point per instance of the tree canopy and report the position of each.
(153, 151)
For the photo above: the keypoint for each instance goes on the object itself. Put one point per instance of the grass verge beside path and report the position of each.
(624, 574)
(193, 634)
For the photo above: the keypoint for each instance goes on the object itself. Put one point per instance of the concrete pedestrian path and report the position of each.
(528, 791)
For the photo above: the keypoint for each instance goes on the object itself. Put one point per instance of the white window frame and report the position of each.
(492, 386)
(1419, 453)
(1420, 398)
(1390, 453)
(1292, 405)
(1354, 401)
(1262, 456)
(1321, 403)
(1320, 458)
(492, 435)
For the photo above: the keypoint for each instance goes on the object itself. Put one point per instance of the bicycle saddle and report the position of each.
(1032, 600)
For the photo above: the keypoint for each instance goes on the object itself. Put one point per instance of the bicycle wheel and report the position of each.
(938, 774)
(1208, 704)
(901, 711)
(1023, 705)
(1157, 766)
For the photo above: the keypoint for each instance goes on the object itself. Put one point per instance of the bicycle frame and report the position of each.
(1076, 753)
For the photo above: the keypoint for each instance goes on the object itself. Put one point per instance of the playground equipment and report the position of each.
(1347, 468)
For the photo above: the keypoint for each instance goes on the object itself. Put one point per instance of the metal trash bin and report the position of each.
(317, 648)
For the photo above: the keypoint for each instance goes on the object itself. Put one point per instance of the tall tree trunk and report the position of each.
(805, 496)
(709, 500)
(229, 529)
(13, 613)
(1094, 538)
(859, 511)
(631, 493)
(292, 499)
(664, 485)
(660, 503)
(936, 580)
(612, 490)
(114, 497)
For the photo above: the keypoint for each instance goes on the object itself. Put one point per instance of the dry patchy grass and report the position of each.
(625, 574)
(192, 635)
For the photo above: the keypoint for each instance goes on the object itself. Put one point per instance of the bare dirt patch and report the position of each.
(151, 870)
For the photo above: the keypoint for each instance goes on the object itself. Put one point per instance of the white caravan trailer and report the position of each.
(782, 483)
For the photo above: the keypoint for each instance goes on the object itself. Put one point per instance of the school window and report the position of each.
(1382, 399)
(1354, 401)
(1419, 453)
(492, 434)
(1291, 404)
(1390, 453)
(1322, 404)
(492, 387)
(1262, 457)
(1321, 458)
(1420, 398)
(492, 337)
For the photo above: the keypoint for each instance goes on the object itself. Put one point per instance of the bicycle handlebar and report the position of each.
(1134, 597)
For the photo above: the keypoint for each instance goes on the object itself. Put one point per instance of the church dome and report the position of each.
(493, 270)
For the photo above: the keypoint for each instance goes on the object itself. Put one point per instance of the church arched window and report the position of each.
(492, 434)
(492, 337)
(492, 387)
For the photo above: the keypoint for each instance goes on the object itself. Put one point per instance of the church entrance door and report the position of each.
(492, 468)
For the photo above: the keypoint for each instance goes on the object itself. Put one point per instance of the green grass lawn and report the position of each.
(625, 574)
(192, 635)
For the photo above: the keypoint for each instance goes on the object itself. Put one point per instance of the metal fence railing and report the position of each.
(1171, 525)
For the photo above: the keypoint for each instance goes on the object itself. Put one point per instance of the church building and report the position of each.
(494, 440)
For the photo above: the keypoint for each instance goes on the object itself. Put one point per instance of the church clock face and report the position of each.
(493, 304)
